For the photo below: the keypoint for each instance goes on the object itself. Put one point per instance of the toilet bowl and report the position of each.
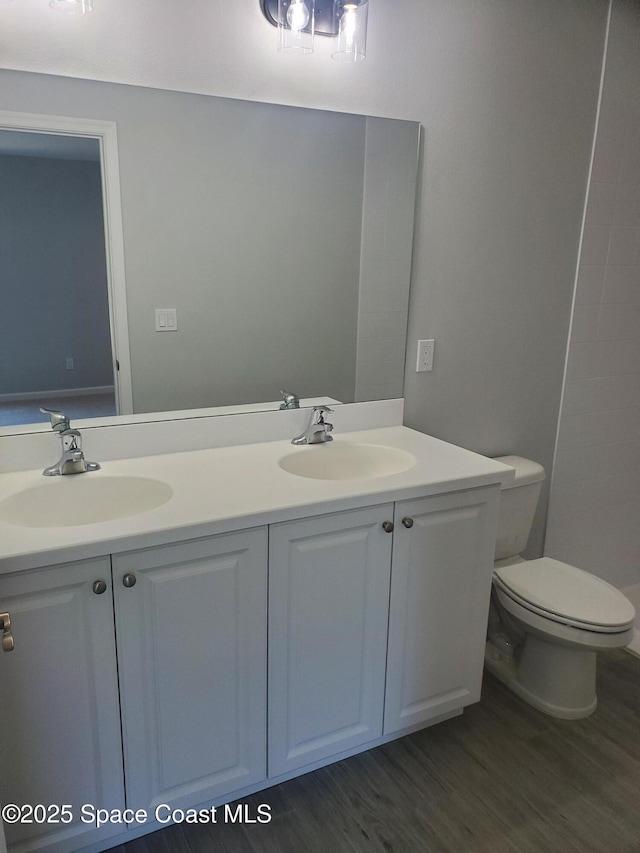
(548, 619)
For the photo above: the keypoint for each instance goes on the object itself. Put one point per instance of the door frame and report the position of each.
(106, 134)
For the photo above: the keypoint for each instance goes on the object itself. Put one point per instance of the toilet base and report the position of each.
(558, 680)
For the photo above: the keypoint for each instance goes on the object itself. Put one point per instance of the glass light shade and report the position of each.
(352, 17)
(296, 26)
(72, 7)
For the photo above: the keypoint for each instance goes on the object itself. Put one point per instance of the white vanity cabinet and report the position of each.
(59, 714)
(328, 606)
(191, 622)
(191, 630)
(353, 607)
(375, 628)
(440, 586)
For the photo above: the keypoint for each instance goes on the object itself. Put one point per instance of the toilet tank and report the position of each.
(518, 502)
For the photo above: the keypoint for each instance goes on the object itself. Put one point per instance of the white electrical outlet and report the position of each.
(425, 356)
(70, 365)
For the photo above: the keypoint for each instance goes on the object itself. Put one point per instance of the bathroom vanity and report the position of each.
(256, 625)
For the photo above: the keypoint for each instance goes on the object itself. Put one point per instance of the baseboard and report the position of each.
(63, 392)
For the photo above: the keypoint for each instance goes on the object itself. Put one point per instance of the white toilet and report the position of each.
(547, 619)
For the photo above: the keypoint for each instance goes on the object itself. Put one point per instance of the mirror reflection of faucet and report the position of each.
(317, 431)
(72, 460)
(289, 400)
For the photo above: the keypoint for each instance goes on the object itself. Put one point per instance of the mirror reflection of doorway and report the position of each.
(55, 338)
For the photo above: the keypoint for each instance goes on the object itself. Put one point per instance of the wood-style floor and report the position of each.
(502, 777)
(18, 412)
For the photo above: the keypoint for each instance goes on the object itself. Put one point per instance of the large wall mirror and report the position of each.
(281, 236)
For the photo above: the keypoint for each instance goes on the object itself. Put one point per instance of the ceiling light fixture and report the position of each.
(299, 21)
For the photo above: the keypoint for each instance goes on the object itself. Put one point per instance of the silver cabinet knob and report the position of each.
(408, 522)
(99, 587)
(7, 636)
(129, 580)
(387, 526)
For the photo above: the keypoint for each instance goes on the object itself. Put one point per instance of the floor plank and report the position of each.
(502, 778)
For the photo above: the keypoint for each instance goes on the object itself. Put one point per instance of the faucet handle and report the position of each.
(59, 421)
(321, 411)
(289, 400)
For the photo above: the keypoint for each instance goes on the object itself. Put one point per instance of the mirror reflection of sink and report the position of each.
(83, 499)
(343, 461)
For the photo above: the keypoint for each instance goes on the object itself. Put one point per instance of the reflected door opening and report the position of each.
(55, 337)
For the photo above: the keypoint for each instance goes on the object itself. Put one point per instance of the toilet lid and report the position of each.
(566, 594)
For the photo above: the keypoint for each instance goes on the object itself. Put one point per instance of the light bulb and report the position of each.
(298, 15)
(348, 25)
(296, 26)
(352, 30)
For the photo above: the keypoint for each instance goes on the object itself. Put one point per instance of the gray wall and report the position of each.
(506, 157)
(255, 263)
(53, 286)
(246, 218)
(390, 165)
(506, 92)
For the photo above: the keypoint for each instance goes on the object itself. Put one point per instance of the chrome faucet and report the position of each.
(317, 431)
(290, 400)
(72, 460)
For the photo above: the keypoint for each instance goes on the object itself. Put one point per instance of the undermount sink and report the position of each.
(83, 499)
(344, 461)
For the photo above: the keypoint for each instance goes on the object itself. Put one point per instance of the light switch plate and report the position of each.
(166, 320)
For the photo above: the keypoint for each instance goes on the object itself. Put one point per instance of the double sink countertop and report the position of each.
(231, 488)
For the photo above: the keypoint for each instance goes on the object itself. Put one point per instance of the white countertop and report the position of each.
(232, 488)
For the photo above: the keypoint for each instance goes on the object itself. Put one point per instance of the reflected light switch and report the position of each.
(166, 320)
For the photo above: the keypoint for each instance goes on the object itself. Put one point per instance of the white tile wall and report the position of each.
(594, 513)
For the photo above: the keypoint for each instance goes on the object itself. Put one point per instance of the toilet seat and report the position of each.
(565, 594)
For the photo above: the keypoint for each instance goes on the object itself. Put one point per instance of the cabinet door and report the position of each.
(59, 715)
(440, 587)
(192, 658)
(328, 609)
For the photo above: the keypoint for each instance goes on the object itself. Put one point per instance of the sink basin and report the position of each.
(344, 461)
(83, 499)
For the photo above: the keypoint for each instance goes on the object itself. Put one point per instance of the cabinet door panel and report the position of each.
(192, 655)
(328, 593)
(440, 586)
(59, 713)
